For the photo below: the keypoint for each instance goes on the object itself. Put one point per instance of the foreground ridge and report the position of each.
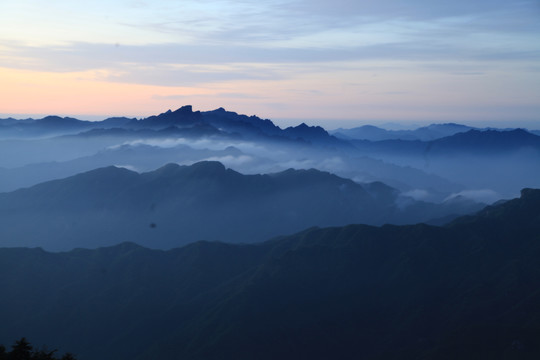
(466, 290)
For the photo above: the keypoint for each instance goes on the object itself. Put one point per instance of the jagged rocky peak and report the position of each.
(307, 132)
(181, 116)
(186, 109)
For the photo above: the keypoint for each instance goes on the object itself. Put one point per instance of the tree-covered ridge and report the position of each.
(23, 350)
(468, 290)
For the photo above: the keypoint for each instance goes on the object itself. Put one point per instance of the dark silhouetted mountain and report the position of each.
(141, 157)
(471, 160)
(49, 125)
(489, 142)
(241, 124)
(54, 125)
(207, 123)
(468, 290)
(437, 131)
(426, 133)
(224, 122)
(474, 142)
(144, 158)
(115, 122)
(204, 201)
(57, 121)
(366, 132)
(313, 134)
(475, 159)
(10, 121)
(232, 123)
(183, 116)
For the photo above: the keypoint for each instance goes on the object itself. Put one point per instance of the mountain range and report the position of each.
(381, 264)
(437, 161)
(477, 142)
(175, 205)
(468, 290)
(183, 120)
(425, 133)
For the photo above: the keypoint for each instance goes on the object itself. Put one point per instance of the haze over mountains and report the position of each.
(98, 199)
(468, 290)
(426, 133)
(381, 264)
(175, 205)
(431, 163)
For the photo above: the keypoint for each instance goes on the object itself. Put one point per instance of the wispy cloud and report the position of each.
(487, 196)
(282, 48)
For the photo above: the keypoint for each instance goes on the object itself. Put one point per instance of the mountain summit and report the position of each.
(176, 204)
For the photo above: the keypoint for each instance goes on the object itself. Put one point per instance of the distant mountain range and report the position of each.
(175, 205)
(468, 290)
(437, 161)
(183, 121)
(146, 287)
(49, 159)
(426, 133)
(473, 142)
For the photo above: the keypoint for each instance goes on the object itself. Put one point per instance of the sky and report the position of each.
(324, 62)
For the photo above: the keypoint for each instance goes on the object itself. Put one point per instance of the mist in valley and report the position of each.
(250, 179)
(239, 180)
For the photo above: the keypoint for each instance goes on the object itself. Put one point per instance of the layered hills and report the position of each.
(437, 161)
(425, 133)
(467, 290)
(183, 120)
(175, 205)
(128, 201)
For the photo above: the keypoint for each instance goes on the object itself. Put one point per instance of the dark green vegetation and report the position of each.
(23, 350)
(469, 290)
(175, 205)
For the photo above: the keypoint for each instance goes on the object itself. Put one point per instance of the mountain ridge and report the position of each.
(185, 117)
(182, 118)
(424, 133)
(172, 205)
(462, 163)
(466, 290)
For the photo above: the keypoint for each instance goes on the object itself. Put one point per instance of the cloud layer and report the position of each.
(359, 55)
